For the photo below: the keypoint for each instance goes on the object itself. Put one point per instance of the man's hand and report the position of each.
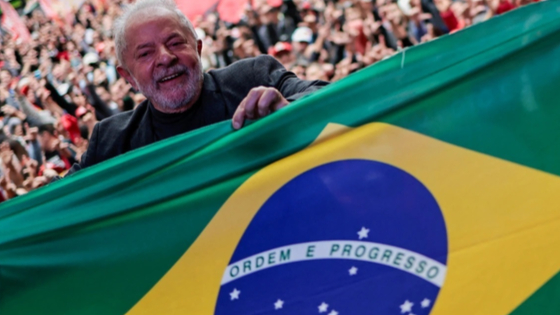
(260, 102)
(9, 110)
(31, 133)
(6, 154)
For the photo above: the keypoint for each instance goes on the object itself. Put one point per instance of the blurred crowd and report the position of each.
(56, 86)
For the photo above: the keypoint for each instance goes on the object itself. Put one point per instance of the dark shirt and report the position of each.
(222, 91)
(168, 125)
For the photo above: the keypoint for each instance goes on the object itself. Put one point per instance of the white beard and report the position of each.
(183, 94)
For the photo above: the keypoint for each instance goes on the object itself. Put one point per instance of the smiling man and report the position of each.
(159, 56)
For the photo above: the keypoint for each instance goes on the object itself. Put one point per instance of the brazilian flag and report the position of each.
(426, 184)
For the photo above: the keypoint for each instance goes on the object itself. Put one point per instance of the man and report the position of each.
(159, 56)
(57, 154)
(301, 39)
(282, 51)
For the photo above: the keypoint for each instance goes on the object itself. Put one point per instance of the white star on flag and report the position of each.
(406, 306)
(234, 294)
(352, 271)
(363, 233)
(333, 312)
(425, 303)
(323, 307)
(278, 305)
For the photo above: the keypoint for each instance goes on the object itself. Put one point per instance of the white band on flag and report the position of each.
(403, 259)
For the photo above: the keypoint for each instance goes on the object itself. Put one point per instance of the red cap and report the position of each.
(99, 47)
(70, 124)
(279, 47)
(24, 89)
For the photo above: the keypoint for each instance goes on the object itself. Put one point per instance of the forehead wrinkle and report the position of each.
(144, 45)
(151, 43)
(173, 35)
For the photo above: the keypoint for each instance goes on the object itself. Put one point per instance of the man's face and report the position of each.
(315, 72)
(299, 71)
(79, 100)
(103, 94)
(285, 58)
(300, 47)
(162, 60)
(45, 140)
(5, 78)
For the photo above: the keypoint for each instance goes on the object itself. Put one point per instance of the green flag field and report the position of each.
(427, 183)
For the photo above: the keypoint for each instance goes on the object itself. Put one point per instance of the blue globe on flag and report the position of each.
(347, 237)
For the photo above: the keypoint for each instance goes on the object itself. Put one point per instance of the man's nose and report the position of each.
(165, 57)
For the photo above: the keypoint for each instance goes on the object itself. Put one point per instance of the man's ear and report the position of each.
(199, 47)
(128, 77)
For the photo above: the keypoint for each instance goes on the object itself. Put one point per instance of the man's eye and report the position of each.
(176, 44)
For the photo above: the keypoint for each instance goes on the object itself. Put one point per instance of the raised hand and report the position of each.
(260, 102)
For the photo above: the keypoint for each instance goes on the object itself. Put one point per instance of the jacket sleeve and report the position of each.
(35, 117)
(70, 108)
(102, 110)
(269, 72)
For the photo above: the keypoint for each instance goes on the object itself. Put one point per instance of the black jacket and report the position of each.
(222, 91)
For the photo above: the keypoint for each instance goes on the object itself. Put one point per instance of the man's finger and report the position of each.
(258, 103)
(267, 100)
(238, 116)
(252, 101)
(382, 41)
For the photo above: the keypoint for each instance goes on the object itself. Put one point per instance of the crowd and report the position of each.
(56, 86)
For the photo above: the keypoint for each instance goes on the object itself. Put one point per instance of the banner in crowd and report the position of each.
(425, 184)
(11, 21)
(61, 11)
(229, 10)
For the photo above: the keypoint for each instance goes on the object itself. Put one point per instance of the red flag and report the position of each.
(12, 22)
(60, 10)
(229, 10)
(48, 9)
(194, 8)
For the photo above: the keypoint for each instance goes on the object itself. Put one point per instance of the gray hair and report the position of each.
(119, 25)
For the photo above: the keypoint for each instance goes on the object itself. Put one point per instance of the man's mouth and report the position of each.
(171, 77)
